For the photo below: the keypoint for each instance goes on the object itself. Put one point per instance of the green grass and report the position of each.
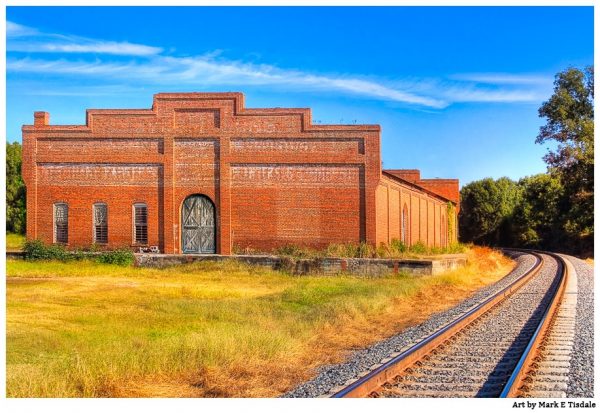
(86, 329)
(14, 241)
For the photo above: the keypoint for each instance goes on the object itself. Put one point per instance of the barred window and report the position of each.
(140, 224)
(61, 223)
(100, 224)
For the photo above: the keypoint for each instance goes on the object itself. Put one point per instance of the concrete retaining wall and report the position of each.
(358, 266)
(328, 266)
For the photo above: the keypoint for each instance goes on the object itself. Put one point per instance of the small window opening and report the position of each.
(61, 223)
(140, 224)
(100, 224)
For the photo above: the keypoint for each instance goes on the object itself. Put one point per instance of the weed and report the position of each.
(383, 251)
(396, 249)
(295, 251)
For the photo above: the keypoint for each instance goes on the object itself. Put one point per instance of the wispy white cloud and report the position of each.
(29, 40)
(472, 94)
(17, 30)
(67, 67)
(147, 66)
(206, 71)
(504, 78)
(35, 89)
(115, 48)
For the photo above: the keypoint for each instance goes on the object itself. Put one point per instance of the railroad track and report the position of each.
(547, 374)
(501, 348)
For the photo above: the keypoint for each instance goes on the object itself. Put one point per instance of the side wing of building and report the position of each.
(413, 210)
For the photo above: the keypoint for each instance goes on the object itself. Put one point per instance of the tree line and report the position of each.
(549, 211)
(15, 190)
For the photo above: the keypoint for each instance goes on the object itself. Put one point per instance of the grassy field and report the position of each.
(14, 241)
(85, 329)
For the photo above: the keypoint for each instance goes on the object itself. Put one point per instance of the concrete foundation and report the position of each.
(327, 266)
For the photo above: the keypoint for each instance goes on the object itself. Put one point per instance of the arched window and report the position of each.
(61, 223)
(404, 226)
(100, 223)
(140, 224)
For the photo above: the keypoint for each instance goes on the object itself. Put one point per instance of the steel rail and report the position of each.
(391, 368)
(516, 380)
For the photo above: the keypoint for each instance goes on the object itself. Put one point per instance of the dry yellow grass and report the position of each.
(204, 330)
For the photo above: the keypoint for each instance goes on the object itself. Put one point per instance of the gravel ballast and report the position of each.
(361, 361)
(581, 371)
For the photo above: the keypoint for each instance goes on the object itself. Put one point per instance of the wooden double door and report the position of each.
(198, 225)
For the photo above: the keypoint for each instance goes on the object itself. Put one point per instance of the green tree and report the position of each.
(569, 117)
(15, 190)
(536, 220)
(486, 209)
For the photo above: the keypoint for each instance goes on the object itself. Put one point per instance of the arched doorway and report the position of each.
(198, 225)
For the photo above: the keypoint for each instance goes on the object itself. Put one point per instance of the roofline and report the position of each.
(403, 170)
(444, 180)
(239, 109)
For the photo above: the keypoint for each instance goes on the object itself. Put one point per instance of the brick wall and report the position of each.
(311, 205)
(447, 188)
(410, 175)
(274, 178)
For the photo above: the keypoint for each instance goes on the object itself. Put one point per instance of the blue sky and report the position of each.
(455, 89)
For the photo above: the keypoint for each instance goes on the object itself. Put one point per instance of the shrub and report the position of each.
(122, 256)
(398, 247)
(418, 248)
(34, 249)
(37, 250)
(78, 254)
(365, 251)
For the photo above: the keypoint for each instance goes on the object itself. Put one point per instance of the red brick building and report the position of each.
(199, 172)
